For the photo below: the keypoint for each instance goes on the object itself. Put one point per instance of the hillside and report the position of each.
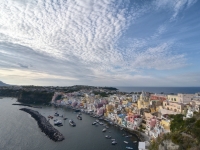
(184, 134)
(3, 84)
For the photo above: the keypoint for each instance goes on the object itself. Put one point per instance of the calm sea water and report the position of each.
(19, 131)
(166, 90)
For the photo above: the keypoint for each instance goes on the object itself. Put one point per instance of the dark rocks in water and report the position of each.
(44, 125)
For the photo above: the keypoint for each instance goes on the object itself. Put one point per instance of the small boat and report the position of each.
(126, 142)
(134, 141)
(58, 123)
(113, 139)
(77, 110)
(79, 117)
(114, 142)
(129, 147)
(97, 120)
(56, 114)
(104, 130)
(108, 137)
(51, 117)
(100, 123)
(94, 123)
(64, 118)
(107, 127)
(72, 123)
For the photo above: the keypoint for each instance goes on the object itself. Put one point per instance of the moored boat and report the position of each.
(114, 142)
(104, 130)
(108, 137)
(129, 147)
(93, 123)
(79, 117)
(72, 123)
(58, 123)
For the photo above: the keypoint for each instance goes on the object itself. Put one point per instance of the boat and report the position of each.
(104, 130)
(108, 137)
(64, 118)
(114, 142)
(100, 123)
(72, 123)
(134, 141)
(113, 139)
(57, 122)
(51, 117)
(107, 127)
(126, 142)
(79, 117)
(56, 114)
(94, 123)
(77, 110)
(97, 120)
(129, 147)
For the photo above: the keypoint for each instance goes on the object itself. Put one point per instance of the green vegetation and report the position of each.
(185, 133)
(102, 94)
(35, 97)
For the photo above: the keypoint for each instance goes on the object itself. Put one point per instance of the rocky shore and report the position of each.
(44, 125)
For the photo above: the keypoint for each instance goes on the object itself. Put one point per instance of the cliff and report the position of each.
(34, 97)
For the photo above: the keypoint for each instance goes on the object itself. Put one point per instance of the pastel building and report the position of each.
(143, 101)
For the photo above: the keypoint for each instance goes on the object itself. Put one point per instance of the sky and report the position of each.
(100, 42)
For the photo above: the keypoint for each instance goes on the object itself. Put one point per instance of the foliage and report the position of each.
(177, 122)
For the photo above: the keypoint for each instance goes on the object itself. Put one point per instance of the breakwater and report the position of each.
(28, 105)
(44, 125)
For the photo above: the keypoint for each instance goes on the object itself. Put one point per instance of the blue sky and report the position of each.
(100, 42)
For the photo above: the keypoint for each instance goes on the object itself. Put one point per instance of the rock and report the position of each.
(168, 145)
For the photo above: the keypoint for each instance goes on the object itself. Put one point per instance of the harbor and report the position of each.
(24, 129)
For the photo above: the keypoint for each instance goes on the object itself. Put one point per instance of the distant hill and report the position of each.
(3, 84)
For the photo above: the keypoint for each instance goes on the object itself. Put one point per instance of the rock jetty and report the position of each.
(44, 125)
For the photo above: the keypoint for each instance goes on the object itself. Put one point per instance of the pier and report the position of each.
(44, 125)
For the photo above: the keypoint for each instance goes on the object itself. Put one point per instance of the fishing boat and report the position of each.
(72, 123)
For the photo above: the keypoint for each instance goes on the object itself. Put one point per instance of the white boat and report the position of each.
(94, 123)
(129, 147)
(114, 142)
(134, 141)
(104, 130)
(108, 137)
(57, 122)
(72, 123)
(126, 142)
(113, 139)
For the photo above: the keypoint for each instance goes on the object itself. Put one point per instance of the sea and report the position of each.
(159, 90)
(19, 131)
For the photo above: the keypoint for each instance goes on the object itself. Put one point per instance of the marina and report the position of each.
(21, 123)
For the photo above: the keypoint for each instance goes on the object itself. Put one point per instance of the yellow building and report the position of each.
(165, 124)
(143, 101)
